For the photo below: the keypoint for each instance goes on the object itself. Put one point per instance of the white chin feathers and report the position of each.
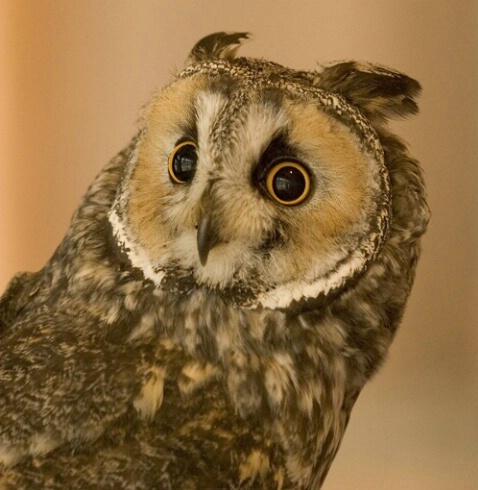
(224, 267)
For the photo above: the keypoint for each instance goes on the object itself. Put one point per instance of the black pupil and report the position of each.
(289, 184)
(184, 163)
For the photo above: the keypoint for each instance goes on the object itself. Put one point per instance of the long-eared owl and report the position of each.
(227, 286)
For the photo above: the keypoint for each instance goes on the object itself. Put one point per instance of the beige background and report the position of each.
(73, 74)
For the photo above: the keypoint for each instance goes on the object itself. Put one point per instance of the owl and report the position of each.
(227, 286)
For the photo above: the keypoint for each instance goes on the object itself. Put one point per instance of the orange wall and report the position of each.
(73, 76)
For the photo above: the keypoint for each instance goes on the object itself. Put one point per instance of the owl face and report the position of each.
(252, 186)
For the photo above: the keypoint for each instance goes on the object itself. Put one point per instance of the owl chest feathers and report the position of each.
(262, 365)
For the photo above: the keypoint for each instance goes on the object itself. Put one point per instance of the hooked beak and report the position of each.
(207, 238)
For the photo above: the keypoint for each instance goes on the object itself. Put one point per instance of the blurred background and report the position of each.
(73, 75)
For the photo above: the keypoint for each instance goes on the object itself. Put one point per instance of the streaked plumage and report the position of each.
(228, 285)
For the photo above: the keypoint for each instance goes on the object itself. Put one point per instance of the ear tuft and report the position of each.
(220, 45)
(380, 92)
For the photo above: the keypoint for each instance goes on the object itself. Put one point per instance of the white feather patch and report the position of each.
(135, 252)
(282, 296)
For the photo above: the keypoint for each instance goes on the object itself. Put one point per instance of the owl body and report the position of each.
(228, 285)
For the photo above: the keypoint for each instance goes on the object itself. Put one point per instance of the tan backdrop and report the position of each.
(73, 75)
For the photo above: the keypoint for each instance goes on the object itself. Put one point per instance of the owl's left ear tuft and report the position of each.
(380, 92)
(220, 45)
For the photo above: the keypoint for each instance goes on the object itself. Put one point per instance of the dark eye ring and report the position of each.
(288, 183)
(182, 162)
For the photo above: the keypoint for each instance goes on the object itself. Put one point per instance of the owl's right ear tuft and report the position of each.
(380, 92)
(220, 45)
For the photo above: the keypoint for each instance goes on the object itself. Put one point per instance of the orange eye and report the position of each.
(288, 183)
(182, 162)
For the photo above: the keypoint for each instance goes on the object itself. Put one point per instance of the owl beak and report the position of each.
(207, 237)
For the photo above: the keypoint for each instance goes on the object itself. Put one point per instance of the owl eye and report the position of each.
(288, 183)
(182, 162)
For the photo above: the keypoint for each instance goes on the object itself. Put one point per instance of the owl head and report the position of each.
(260, 184)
